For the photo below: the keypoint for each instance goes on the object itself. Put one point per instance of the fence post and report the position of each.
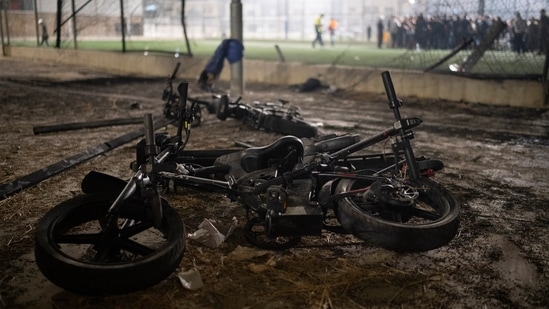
(237, 79)
(2, 29)
(545, 76)
(123, 26)
(58, 23)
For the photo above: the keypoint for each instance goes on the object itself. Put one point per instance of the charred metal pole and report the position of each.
(36, 27)
(237, 72)
(85, 125)
(74, 34)
(7, 22)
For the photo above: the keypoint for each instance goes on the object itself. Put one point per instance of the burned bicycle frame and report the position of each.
(287, 188)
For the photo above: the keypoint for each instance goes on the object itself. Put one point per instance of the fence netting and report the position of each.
(483, 37)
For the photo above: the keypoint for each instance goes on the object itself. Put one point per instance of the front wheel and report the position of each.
(415, 216)
(76, 251)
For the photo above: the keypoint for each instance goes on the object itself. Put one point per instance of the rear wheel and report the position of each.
(417, 215)
(75, 250)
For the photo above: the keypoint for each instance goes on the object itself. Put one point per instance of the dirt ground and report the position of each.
(496, 164)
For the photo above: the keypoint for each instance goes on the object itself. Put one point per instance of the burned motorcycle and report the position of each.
(280, 117)
(123, 236)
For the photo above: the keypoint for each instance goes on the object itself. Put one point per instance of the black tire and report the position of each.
(223, 108)
(290, 127)
(73, 252)
(429, 223)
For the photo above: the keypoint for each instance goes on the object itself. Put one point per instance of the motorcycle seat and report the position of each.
(283, 153)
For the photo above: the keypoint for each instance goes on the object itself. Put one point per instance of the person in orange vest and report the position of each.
(318, 31)
(332, 28)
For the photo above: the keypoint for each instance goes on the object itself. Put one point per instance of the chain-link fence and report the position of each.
(473, 36)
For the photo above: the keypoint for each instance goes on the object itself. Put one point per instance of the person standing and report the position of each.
(420, 32)
(332, 28)
(44, 33)
(379, 32)
(369, 33)
(318, 31)
(394, 27)
(519, 32)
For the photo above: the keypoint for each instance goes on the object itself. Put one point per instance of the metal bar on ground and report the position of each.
(85, 125)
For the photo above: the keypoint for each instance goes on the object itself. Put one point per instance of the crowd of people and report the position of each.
(447, 32)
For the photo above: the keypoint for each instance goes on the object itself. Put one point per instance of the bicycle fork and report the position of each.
(144, 180)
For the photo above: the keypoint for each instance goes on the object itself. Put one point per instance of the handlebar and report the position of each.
(394, 104)
(394, 101)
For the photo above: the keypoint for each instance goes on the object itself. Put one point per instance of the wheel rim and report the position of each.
(420, 207)
(81, 236)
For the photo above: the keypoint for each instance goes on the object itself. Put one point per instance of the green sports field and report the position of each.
(361, 54)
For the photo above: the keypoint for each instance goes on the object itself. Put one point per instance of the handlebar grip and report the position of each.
(394, 102)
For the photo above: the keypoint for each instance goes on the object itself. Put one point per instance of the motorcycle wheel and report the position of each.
(430, 222)
(74, 250)
(289, 127)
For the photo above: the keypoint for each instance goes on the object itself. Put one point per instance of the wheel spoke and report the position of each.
(79, 238)
(104, 251)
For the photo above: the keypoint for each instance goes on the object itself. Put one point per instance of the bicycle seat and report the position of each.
(285, 152)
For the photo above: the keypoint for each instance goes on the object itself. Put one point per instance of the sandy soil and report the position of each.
(496, 160)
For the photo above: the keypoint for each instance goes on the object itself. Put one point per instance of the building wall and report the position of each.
(266, 19)
(263, 19)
